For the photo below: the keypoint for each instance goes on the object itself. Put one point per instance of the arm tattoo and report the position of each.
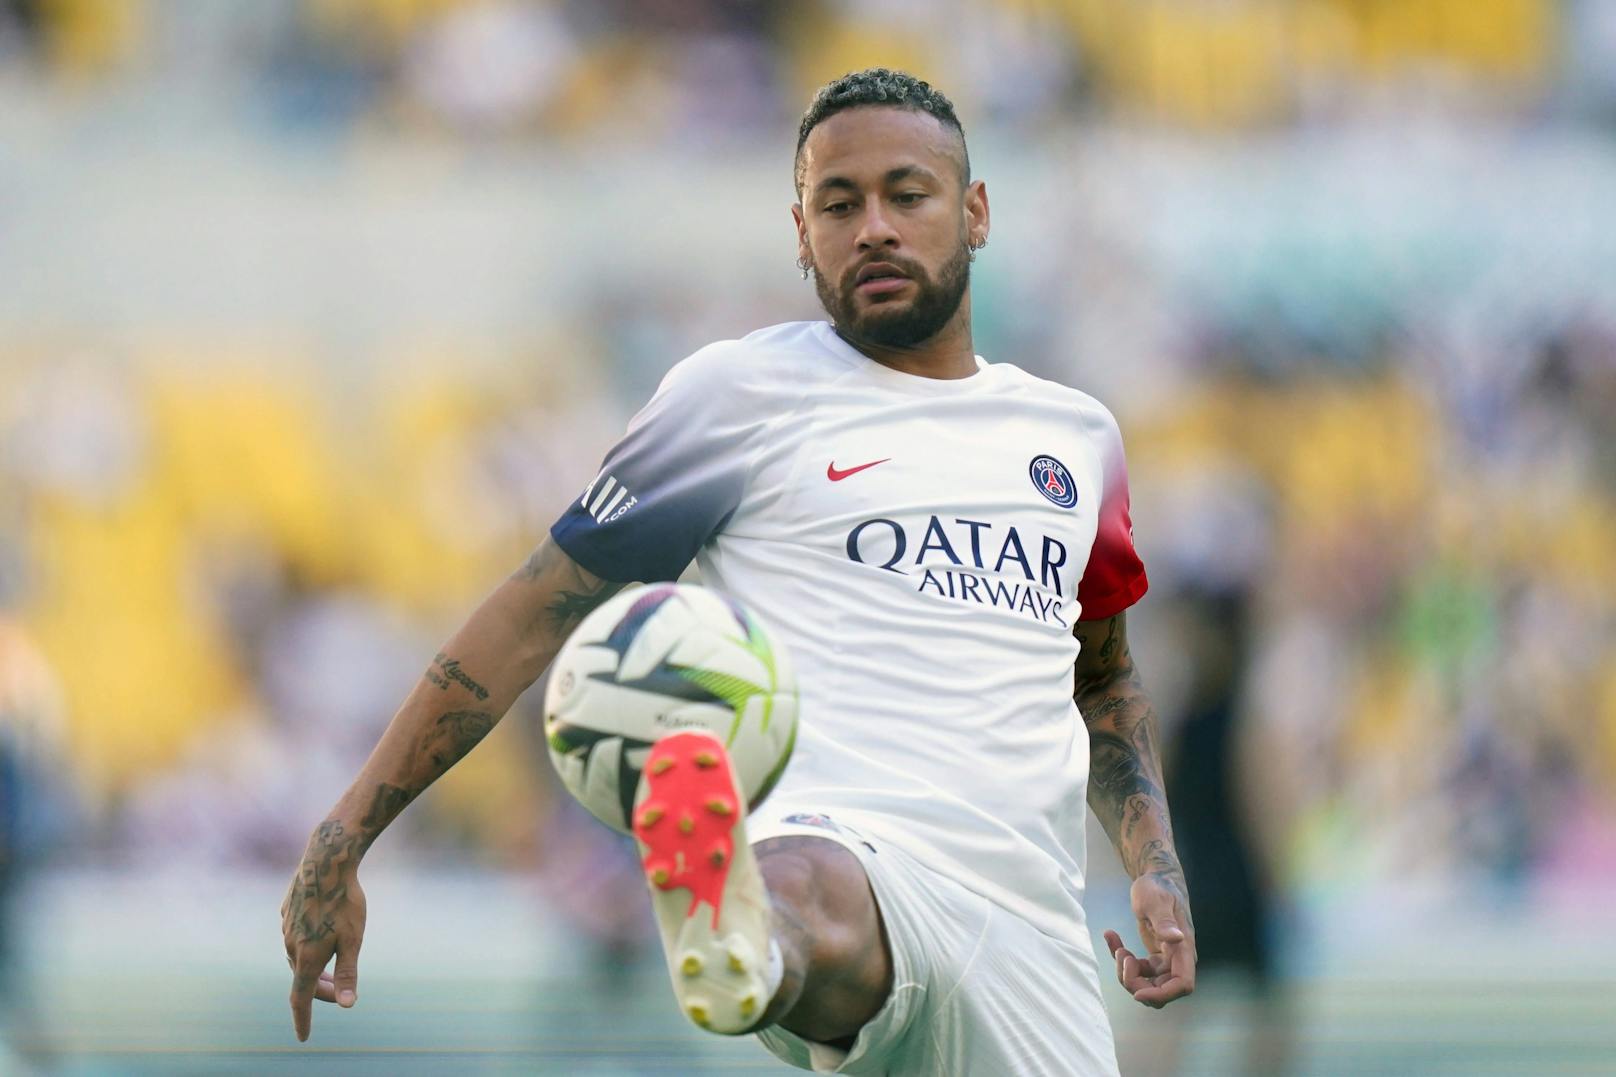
(335, 849)
(384, 807)
(445, 670)
(1125, 779)
(455, 734)
(445, 743)
(577, 591)
(570, 607)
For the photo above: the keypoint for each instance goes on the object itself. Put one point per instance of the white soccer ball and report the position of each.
(662, 659)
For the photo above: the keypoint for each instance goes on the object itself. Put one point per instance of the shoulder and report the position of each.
(1093, 417)
(776, 360)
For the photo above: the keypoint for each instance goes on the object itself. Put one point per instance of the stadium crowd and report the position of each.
(673, 69)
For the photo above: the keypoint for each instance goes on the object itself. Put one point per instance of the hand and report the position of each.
(324, 914)
(1167, 971)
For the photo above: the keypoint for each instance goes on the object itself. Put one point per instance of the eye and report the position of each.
(838, 207)
(909, 198)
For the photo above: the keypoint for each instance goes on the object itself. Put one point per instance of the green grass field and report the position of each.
(183, 974)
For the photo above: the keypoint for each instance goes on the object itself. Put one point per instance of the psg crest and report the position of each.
(1052, 479)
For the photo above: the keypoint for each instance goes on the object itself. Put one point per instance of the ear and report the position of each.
(977, 222)
(804, 252)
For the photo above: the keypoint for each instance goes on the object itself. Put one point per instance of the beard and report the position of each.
(896, 324)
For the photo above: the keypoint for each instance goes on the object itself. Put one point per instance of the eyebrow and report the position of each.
(894, 175)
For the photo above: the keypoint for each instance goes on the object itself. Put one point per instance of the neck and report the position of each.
(946, 355)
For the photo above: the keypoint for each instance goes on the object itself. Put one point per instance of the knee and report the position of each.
(808, 889)
(826, 913)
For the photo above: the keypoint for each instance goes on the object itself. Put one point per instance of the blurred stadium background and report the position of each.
(315, 313)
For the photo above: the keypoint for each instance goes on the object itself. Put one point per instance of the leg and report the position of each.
(796, 940)
(837, 961)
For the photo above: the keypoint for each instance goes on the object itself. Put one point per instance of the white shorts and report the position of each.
(975, 990)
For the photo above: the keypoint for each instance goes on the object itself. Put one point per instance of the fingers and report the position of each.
(302, 1004)
(347, 972)
(1180, 957)
(1157, 995)
(1169, 975)
(310, 983)
(1157, 979)
(1132, 973)
(1120, 954)
(1172, 974)
(1154, 982)
(305, 980)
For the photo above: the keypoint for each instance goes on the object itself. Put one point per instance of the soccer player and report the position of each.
(944, 547)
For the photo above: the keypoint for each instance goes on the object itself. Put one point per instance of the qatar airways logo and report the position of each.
(971, 550)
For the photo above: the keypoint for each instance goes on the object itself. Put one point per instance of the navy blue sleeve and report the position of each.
(671, 483)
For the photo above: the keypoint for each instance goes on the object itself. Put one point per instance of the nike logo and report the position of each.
(837, 476)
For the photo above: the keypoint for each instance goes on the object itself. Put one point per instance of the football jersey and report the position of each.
(922, 547)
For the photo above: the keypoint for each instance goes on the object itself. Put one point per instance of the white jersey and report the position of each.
(923, 548)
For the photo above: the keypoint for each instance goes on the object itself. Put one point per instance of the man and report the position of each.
(937, 540)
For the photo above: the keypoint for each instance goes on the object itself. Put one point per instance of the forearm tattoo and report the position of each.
(444, 743)
(336, 847)
(445, 671)
(1126, 789)
(447, 740)
(577, 592)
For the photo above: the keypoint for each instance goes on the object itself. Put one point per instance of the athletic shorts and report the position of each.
(976, 992)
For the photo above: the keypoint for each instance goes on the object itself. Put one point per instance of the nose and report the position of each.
(876, 229)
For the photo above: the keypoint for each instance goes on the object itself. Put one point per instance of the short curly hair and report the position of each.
(879, 86)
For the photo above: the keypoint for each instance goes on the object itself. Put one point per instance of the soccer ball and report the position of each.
(662, 659)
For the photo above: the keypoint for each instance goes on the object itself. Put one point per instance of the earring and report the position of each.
(978, 244)
(805, 265)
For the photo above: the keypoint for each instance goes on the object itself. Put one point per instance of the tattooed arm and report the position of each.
(502, 649)
(1127, 796)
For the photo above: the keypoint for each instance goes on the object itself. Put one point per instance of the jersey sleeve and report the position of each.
(1114, 577)
(673, 480)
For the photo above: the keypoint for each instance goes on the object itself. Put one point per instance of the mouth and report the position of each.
(880, 278)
